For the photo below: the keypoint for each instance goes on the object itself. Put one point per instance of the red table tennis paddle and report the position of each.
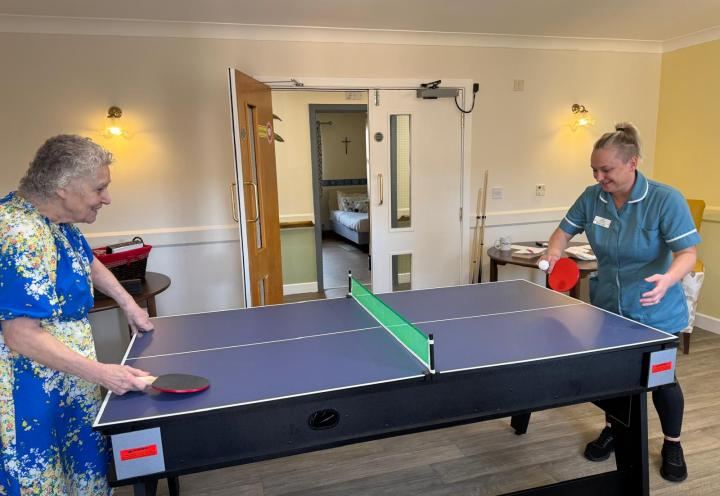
(564, 276)
(177, 383)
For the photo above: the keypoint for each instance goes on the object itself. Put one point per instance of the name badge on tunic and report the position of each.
(601, 221)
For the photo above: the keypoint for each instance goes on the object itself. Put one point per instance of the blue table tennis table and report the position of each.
(300, 377)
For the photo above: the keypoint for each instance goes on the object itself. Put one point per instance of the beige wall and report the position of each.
(336, 162)
(688, 150)
(171, 181)
(293, 157)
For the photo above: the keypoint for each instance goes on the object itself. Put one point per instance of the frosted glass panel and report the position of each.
(400, 171)
(402, 272)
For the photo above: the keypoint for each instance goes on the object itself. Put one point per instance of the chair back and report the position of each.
(697, 208)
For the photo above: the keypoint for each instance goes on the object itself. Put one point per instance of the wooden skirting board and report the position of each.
(294, 225)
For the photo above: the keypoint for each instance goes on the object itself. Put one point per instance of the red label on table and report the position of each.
(661, 367)
(140, 452)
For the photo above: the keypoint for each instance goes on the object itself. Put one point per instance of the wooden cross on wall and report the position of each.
(346, 141)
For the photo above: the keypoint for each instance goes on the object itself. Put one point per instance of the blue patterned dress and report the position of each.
(48, 445)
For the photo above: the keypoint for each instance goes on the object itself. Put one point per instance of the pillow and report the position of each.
(354, 196)
(354, 205)
(347, 204)
(361, 206)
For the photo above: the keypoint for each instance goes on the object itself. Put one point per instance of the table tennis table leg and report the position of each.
(173, 486)
(149, 488)
(145, 488)
(631, 447)
(575, 290)
(493, 270)
(520, 423)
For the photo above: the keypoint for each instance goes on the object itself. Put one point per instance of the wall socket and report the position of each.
(539, 190)
(496, 193)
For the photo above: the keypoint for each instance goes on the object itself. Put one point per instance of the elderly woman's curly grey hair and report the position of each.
(58, 161)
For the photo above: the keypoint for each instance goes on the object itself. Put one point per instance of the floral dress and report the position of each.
(48, 445)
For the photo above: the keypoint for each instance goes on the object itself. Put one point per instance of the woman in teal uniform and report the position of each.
(644, 238)
(49, 377)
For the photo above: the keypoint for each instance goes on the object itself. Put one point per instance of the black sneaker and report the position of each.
(600, 449)
(673, 462)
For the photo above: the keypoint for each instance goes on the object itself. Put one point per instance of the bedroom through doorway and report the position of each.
(338, 146)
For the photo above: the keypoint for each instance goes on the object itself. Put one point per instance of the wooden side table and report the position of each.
(499, 257)
(154, 284)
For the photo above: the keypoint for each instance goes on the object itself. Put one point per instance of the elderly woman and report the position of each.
(49, 377)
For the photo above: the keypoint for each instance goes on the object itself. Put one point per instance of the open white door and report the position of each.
(416, 183)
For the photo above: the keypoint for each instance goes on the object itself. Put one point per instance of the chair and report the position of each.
(693, 281)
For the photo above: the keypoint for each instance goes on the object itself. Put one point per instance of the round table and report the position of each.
(154, 284)
(500, 257)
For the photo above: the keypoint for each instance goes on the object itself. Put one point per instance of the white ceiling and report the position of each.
(656, 20)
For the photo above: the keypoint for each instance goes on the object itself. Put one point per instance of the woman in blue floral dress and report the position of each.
(49, 376)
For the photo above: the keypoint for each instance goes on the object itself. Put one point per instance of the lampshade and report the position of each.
(114, 126)
(581, 117)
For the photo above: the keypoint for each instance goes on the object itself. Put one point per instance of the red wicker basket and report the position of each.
(130, 264)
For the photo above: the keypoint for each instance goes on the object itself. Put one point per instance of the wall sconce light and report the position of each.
(114, 128)
(581, 117)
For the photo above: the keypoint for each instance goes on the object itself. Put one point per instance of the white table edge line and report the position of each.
(615, 314)
(550, 357)
(107, 395)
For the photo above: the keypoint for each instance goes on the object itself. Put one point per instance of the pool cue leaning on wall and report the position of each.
(479, 235)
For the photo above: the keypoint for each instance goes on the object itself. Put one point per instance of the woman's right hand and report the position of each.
(551, 259)
(556, 247)
(121, 378)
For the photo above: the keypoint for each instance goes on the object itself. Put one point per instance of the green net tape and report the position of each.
(409, 335)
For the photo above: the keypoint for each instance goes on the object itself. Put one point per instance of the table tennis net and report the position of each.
(407, 334)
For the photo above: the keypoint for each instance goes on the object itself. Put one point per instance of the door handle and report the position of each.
(233, 203)
(380, 187)
(257, 205)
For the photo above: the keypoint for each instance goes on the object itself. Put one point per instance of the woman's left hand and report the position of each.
(138, 318)
(653, 297)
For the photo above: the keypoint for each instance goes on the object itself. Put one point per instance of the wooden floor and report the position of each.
(487, 458)
(339, 256)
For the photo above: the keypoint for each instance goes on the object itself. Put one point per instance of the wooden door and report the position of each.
(256, 188)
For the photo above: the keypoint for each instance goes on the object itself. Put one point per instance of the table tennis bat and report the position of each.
(564, 276)
(177, 383)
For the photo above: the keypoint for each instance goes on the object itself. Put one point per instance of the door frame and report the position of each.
(325, 108)
(371, 84)
(238, 198)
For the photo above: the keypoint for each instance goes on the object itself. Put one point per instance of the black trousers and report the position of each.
(670, 404)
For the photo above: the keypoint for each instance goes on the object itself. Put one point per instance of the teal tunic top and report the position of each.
(633, 243)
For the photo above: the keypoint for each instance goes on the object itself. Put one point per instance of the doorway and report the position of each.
(395, 232)
(339, 166)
